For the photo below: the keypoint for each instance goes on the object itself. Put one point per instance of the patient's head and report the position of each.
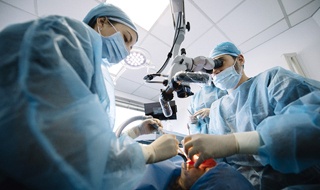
(189, 174)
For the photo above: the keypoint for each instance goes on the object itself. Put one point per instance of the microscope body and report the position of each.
(185, 70)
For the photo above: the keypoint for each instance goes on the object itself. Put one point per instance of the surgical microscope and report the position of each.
(184, 70)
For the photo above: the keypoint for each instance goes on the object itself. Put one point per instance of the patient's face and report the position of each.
(189, 174)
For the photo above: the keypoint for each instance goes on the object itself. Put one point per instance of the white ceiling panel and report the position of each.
(155, 86)
(146, 92)
(216, 9)
(205, 43)
(142, 34)
(264, 36)
(250, 18)
(199, 24)
(163, 28)
(292, 5)
(304, 13)
(135, 75)
(25, 5)
(127, 86)
(16, 15)
(316, 17)
(74, 9)
(155, 99)
(157, 49)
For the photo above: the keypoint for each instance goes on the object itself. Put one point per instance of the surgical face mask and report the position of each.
(113, 48)
(228, 78)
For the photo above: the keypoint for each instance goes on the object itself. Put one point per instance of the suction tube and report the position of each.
(127, 122)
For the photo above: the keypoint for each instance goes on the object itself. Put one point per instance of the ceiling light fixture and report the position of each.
(138, 58)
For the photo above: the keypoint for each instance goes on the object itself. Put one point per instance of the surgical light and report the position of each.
(137, 59)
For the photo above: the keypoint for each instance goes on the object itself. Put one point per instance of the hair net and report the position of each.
(111, 12)
(223, 49)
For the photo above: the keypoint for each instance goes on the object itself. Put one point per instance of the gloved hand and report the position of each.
(204, 112)
(219, 146)
(147, 126)
(210, 146)
(165, 147)
(193, 119)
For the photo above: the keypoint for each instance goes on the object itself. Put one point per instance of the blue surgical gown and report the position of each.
(54, 126)
(284, 108)
(203, 99)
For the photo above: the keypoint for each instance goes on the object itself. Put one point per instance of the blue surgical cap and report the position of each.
(225, 48)
(111, 12)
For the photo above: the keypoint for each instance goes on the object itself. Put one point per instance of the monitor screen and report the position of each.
(154, 109)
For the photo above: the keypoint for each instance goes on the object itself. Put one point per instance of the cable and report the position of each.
(149, 77)
(177, 32)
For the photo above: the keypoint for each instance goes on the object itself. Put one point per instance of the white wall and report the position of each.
(303, 39)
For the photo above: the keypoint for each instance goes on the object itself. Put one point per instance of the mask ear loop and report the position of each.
(238, 68)
(112, 25)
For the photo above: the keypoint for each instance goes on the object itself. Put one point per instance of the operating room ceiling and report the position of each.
(247, 23)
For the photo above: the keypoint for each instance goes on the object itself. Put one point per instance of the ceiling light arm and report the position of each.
(178, 16)
(179, 23)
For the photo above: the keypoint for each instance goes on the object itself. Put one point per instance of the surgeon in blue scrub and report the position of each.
(199, 107)
(56, 116)
(270, 122)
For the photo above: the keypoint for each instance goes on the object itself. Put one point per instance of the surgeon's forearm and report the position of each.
(248, 142)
